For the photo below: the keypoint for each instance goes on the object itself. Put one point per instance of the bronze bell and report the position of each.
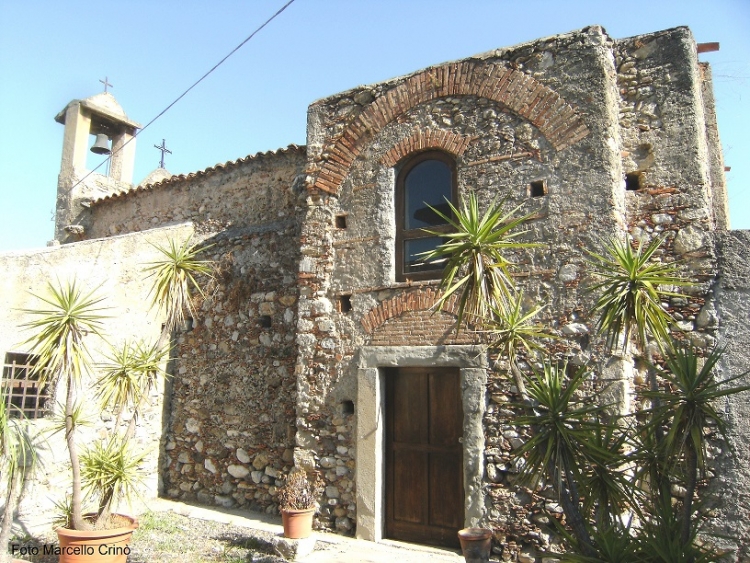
(101, 145)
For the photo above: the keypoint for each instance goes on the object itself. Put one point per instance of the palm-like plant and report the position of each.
(68, 315)
(560, 445)
(687, 410)
(111, 470)
(17, 459)
(660, 539)
(130, 373)
(511, 328)
(632, 290)
(631, 293)
(614, 544)
(477, 269)
(607, 476)
(174, 276)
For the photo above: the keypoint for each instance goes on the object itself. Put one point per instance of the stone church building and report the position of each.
(317, 343)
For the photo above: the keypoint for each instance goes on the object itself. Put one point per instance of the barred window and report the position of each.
(21, 388)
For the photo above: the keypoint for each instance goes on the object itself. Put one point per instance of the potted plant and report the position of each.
(17, 459)
(60, 328)
(298, 502)
(107, 470)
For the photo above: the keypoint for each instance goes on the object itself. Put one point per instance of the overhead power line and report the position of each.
(166, 109)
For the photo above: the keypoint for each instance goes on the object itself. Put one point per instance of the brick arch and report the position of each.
(420, 300)
(555, 118)
(422, 139)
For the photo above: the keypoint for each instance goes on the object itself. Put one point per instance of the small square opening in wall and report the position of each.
(538, 188)
(633, 181)
(347, 407)
(345, 303)
(264, 321)
(340, 221)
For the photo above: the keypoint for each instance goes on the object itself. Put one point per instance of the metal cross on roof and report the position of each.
(106, 84)
(163, 148)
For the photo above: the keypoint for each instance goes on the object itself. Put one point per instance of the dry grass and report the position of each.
(166, 537)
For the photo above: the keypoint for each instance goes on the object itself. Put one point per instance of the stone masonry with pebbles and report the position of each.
(286, 361)
(572, 113)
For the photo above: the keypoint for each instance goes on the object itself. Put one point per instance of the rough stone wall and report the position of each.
(732, 483)
(668, 142)
(114, 266)
(231, 428)
(73, 221)
(576, 112)
(266, 375)
(248, 192)
(500, 146)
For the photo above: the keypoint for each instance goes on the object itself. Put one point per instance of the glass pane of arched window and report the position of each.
(414, 249)
(428, 183)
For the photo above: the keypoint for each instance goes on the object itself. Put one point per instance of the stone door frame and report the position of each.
(370, 456)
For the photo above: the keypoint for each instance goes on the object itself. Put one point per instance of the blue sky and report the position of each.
(54, 51)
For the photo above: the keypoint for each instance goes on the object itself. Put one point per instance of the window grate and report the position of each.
(21, 388)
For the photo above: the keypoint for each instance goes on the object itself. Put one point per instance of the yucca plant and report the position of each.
(174, 276)
(669, 440)
(631, 293)
(614, 544)
(687, 410)
(67, 317)
(17, 460)
(632, 289)
(477, 268)
(60, 327)
(659, 538)
(560, 447)
(608, 475)
(111, 471)
(511, 328)
(129, 374)
(584, 454)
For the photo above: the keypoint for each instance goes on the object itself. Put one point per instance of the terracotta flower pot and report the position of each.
(96, 546)
(476, 544)
(297, 523)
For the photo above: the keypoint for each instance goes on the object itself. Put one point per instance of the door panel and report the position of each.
(424, 457)
(446, 498)
(411, 488)
(446, 422)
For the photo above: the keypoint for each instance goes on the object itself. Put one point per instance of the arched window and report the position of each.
(426, 179)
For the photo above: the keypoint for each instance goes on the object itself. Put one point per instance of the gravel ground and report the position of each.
(166, 537)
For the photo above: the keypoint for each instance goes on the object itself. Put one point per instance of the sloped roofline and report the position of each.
(182, 178)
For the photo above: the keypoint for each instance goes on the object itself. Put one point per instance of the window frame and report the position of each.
(403, 234)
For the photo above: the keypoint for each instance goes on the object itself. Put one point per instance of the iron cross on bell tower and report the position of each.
(163, 148)
(106, 83)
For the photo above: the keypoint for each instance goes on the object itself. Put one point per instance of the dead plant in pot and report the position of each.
(298, 501)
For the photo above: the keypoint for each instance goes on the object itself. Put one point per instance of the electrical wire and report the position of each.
(166, 109)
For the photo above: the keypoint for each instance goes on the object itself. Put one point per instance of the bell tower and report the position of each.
(77, 187)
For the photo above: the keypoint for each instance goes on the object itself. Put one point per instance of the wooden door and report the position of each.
(424, 455)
